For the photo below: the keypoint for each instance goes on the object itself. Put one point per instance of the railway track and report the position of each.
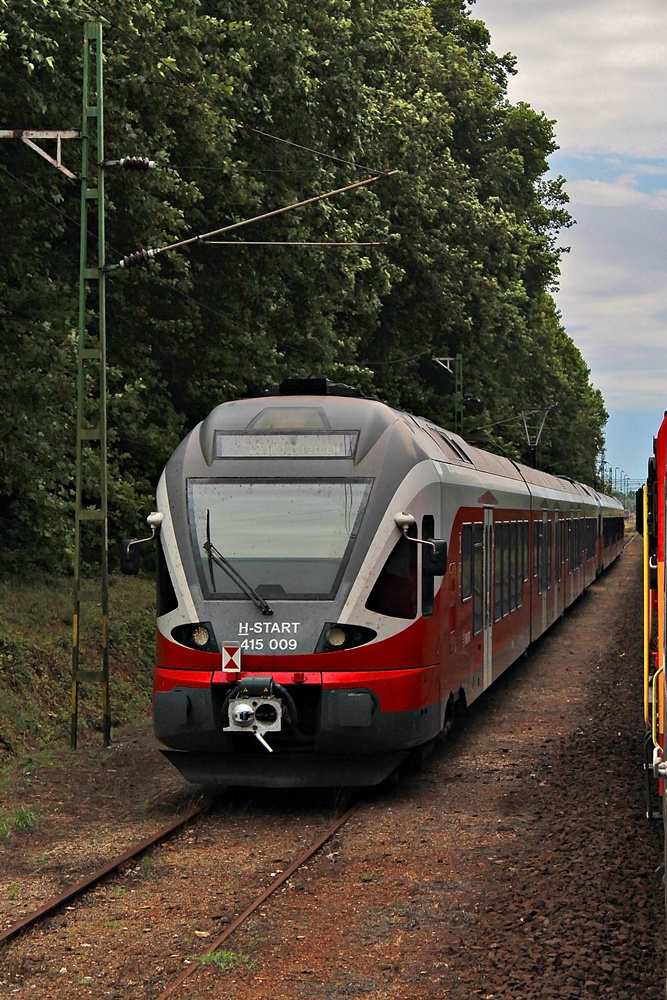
(509, 866)
(51, 907)
(261, 898)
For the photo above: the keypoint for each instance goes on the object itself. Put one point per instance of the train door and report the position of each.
(556, 559)
(487, 603)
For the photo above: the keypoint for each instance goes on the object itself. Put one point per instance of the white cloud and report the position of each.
(622, 192)
(613, 298)
(597, 66)
(593, 192)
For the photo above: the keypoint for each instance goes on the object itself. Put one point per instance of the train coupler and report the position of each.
(256, 705)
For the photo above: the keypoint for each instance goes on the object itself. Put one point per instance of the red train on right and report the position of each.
(651, 525)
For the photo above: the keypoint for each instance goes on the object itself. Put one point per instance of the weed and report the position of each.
(14, 891)
(147, 867)
(226, 960)
(20, 819)
(43, 758)
(24, 819)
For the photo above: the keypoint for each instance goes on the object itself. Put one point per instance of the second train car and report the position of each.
(336, 577)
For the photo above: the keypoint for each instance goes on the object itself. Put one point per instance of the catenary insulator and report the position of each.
(138, 259)
(136, 163)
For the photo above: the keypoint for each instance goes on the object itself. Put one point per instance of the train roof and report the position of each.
(316, 404)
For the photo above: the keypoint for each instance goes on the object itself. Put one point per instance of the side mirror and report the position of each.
(129, 547)
(435, 559)
(129, 556)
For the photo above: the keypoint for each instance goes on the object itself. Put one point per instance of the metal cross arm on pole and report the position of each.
(457, 372)
(26, 135)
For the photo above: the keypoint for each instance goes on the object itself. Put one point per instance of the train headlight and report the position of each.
(336, 637)
(196, 635)
(201, 635)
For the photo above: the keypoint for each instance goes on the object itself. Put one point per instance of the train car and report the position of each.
(336, 578)
(651, 524)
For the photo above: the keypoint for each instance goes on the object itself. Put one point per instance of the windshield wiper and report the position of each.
(214, 556)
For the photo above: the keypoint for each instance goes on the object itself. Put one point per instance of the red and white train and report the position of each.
(336, 577)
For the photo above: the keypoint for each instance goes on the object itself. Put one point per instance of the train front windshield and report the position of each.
(290, 540)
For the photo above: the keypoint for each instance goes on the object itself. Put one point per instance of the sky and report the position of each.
(598, 68)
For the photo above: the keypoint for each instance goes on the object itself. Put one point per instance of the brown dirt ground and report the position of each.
(515, 864)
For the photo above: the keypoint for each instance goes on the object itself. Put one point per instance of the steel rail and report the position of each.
(257, 902)
(132, 852)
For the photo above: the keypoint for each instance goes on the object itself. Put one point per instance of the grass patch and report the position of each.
(226, 960)
(35, 661)
(146, 868)
(17, 821)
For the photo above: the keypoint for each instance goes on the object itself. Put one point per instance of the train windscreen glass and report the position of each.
(290, 540)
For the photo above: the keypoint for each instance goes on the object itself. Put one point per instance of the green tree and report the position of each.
(468, 225)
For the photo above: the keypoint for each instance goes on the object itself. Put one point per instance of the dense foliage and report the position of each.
(468, 228)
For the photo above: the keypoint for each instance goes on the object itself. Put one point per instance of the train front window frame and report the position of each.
(394, 593)
(290, 538)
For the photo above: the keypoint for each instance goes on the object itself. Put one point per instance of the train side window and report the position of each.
(428, 580)
(395, 591)
(539, 556)
(466, 562)
(562, 552)
(520, 562)
(506, 569)
(477, 576)
(525, 562)
(514, 562)
(498, 571)
(571, 543)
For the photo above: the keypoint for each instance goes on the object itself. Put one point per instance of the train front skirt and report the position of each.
(298, 770)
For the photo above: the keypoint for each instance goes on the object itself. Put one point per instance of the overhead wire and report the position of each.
(204, 237)
(93, 234)
(207, 97)
(72, 11)
(397, 361)
(156, 277)
(189, 298)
